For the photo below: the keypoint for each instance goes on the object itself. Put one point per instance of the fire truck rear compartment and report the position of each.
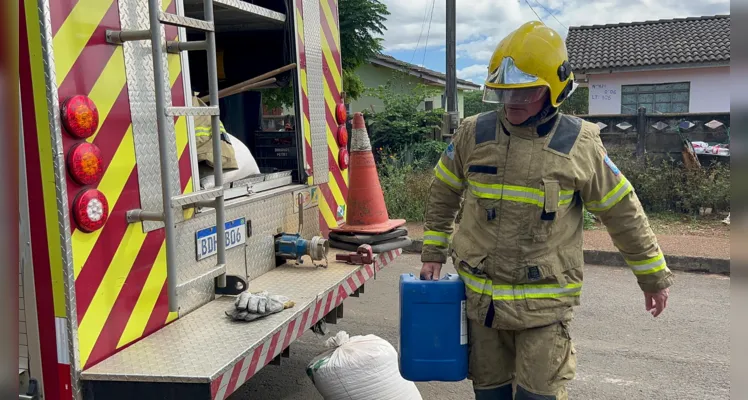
(205, 355)
(250, 45)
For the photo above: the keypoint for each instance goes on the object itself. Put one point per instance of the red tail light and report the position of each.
(342, 136)
(84, 163)
(80, 116)
(341, 113)
(343, 158)
(90, 210)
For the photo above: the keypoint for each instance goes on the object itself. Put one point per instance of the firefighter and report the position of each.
(521, 176)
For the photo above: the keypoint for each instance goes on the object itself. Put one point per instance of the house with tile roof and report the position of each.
(666, 66)
(405, 76)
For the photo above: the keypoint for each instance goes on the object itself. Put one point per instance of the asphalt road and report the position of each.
(623, 352)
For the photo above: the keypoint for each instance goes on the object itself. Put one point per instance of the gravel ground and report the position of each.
(681, 245)
(706, 237)
(623, 353)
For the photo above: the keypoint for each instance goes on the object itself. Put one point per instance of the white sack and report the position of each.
(245, 161)
(360, 368)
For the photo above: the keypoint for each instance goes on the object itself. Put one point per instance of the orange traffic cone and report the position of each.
(367, 212)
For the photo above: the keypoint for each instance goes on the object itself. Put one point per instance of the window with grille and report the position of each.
(659, 98)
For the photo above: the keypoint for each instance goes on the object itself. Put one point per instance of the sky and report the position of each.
(417, 36)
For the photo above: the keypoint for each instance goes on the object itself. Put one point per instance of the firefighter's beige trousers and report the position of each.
(540, 360)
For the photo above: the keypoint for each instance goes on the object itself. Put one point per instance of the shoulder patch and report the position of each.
(612, 165)
(450, 151)
(566, 134)
(485, 127)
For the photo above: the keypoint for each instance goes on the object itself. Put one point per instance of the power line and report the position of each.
(533, 11)
(552, 15)
(426, 46)
(423, 24)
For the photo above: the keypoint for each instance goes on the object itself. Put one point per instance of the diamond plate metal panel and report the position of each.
(233, 15)
(213, 342)
(185, 22)
(142, 96)
(63, 217)
(194, 197)
(315, 78)
(268, 214)
(180, 111)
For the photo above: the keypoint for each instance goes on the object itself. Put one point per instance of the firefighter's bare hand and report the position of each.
(431, 271)
(656, 302)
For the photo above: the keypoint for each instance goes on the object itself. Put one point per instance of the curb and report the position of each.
(614, 259)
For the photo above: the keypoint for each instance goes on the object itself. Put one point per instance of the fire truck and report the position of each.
(124, 283)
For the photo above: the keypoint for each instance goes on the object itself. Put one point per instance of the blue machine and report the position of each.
(291, 246)
(433, 329)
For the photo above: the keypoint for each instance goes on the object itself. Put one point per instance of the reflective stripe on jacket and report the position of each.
(522, 191)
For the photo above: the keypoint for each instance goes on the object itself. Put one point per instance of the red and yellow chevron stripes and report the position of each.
(120, 271)
(332, 203)
(47, 257)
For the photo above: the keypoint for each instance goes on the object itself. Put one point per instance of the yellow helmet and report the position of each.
(527, 63)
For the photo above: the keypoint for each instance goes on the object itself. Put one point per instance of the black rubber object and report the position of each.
(359, 239)
(394, 244)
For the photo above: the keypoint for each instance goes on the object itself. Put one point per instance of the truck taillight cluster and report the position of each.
(341, 115)
(81, 120)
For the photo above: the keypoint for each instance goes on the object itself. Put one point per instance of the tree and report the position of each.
(401, 123)
(474, 104)
(361, 27)
(578, 103)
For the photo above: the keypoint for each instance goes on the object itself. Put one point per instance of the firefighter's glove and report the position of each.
(250, 306)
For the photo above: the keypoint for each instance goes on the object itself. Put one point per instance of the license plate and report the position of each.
(205, 240)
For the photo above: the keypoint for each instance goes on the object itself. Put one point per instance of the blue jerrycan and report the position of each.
(433, 329)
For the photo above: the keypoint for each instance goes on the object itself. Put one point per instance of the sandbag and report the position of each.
(245, 161)
(360, 368)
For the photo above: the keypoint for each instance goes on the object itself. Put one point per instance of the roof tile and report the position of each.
(650, 43)
(416, 68)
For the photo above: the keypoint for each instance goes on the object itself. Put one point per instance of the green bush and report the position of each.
(401, 123)
(664, 185)
(406, 190)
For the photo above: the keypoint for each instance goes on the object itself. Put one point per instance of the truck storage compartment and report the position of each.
(248, 47)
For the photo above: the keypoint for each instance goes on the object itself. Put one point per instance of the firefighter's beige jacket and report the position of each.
(519, 244)
(204, 141)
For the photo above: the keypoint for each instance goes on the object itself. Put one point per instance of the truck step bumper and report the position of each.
(205, 355)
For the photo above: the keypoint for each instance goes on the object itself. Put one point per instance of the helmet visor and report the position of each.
(509, 74)
(514, 96)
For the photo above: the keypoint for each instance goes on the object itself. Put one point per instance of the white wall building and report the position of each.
(666, 66)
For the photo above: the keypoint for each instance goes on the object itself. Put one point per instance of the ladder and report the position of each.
(213, 197)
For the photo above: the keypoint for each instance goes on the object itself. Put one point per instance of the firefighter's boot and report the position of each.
(499, 393)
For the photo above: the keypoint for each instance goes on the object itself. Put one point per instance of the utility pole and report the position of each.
(452, 117)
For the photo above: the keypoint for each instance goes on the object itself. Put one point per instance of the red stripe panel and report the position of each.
(160, 312)
(330, 40)
(255, 364)
(106, 343)
(59, 11)
(215, 385)
(330, 82)
(271, 349)
(329, 304)
(289, 333)
(231, 386)
(103, 251)
(94, 57)
(337, 175)
(41, 266)
(307, 146)
(304, 321)
(325, 190)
